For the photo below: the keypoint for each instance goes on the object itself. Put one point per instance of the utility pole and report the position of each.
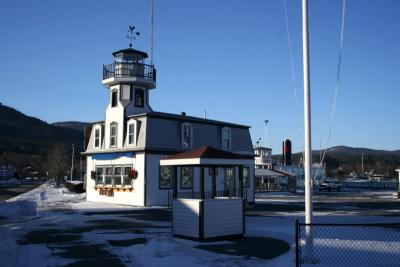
(72, 160)
(307, 136)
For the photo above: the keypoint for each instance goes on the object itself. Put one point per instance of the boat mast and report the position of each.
(307, 135)
(362, 165)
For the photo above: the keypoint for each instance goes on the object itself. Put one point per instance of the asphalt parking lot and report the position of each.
(357, 202)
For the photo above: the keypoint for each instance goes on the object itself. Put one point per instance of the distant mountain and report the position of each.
(77, 125)
(358, 151)
(349, 159)
(20, 133)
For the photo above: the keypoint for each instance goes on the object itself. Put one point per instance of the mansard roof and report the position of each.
(170, 116)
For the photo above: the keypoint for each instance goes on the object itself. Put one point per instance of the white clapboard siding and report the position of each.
(185, 217)
(223, 217)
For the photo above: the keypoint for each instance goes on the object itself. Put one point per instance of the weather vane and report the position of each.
(132, 34)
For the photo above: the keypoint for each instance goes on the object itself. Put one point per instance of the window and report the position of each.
(186, 135)
(113, 134)
(131, 133)
(187, 177)
(246, 177)
(139, 97)
(127, 180)
(114, 98)
(166, 173)
(126, 92)
(99, 175)
(108, 176)
(117, 176)
(97, 137)
(226, 138)
(229, 179)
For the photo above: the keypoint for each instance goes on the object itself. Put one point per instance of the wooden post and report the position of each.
(201, 182)
(214, 182)
(174, 183)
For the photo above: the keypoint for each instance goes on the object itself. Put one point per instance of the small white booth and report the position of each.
(210, 215)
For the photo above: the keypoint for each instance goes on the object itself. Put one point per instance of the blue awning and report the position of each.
(110, 156)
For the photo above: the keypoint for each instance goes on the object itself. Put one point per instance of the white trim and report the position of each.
(116, 134)
(134, 123)
(95, 128)
(199, 161)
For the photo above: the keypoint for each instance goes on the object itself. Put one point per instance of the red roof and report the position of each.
(207, 152)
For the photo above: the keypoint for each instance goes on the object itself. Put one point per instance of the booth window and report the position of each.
(166, 173)
(246, 176)
(187, 177)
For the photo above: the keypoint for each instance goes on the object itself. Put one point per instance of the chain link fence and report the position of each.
(347, 244)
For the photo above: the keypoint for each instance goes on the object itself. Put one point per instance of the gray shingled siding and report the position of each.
(166, 134)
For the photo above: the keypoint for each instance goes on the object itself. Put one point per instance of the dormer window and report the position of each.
(114, 98)
(187, 135)
(132, 133)
(113, 134)
(226, 138)
(139, 97)
(97, 137)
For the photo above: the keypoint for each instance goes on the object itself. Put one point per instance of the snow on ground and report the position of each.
(67, 230)
(69, 214)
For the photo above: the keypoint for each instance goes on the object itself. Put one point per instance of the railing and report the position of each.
(126, 70)
(347, 244)
(207, 194)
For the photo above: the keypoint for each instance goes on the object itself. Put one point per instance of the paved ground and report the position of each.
(69, 236)
(355, 202)
(9, 191)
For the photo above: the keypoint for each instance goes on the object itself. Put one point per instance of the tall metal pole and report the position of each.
(151, 30)
(72, 160)
(307, 135)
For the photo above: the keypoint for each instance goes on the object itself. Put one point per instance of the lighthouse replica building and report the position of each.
(125, 151)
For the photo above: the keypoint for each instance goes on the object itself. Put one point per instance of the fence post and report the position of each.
(297, 242)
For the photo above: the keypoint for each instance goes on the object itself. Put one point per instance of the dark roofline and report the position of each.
(170, 116)
(207, 152)
(131, 50)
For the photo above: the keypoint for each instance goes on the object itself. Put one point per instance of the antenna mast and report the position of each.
(151, 30)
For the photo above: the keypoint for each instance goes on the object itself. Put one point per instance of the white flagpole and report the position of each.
(307, 136)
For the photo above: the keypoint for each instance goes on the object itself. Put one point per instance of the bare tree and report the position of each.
(57, 162)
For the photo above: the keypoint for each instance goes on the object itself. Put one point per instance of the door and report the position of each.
(230, 182)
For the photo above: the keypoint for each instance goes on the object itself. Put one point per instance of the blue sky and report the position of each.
(230, 58)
